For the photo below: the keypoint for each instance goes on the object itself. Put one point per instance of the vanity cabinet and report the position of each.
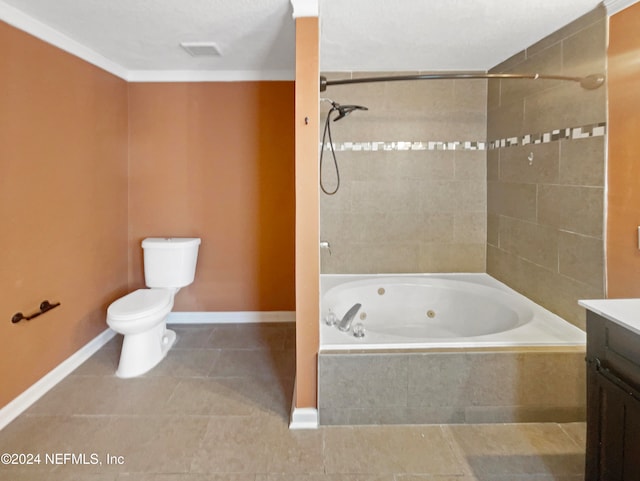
(613, 401)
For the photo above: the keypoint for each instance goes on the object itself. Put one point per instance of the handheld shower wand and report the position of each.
(343, 111)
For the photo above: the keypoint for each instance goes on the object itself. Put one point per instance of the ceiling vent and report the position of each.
(201, 49)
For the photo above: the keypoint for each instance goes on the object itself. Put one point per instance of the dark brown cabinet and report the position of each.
(613, 401)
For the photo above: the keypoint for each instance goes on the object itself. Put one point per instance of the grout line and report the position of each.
(456, 449)
(574, 440)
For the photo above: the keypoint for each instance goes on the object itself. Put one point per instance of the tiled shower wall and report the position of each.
(412, 196)
(533, 217)
(545, 200)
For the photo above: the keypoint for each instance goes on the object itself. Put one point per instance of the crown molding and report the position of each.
(305, 8)
(30, 25)
(614, 6)
(36, 28)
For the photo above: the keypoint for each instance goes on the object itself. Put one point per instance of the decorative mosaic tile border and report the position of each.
(582, 132)
(399, 146)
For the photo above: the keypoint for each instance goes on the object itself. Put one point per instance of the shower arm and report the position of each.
(590, 82)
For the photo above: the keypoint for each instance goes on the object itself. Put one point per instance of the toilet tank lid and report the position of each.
(169, 242)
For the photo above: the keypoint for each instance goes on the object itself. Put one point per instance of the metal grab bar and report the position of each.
(45, 306)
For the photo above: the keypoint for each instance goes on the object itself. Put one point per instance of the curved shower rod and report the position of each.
(590, 82)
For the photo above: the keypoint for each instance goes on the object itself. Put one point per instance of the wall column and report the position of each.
(623, 211)
(307, 207)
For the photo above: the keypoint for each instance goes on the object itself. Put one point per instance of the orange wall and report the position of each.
(215, 160)
(308, 211)
(89, 166)
(63, 204)
(623, 211)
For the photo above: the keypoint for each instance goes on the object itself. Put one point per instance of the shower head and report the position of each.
(344, 110)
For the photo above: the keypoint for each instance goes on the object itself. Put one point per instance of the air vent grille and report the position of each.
(201, 49)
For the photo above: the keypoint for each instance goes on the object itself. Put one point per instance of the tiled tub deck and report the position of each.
(541, 384)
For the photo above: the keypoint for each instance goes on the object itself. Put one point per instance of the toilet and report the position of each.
(141, 316)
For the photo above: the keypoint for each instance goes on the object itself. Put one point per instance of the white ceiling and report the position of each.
(436, 34)
(257, 37)
(145, 35)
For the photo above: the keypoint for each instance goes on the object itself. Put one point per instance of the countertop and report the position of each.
(625, 312)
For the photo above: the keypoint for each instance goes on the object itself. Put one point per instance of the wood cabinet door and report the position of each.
(613, 437)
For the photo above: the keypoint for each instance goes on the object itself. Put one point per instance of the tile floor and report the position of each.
(217, 409)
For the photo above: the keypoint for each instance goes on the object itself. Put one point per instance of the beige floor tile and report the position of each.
(185, 363)
(325, 477)
(147, 444)
(175, 424)
(102, 363)
(429, 477)
(249, 336)
(577, 432)
(150, 444)
(106, 395)
(389, 449)
(192, 336)
(518, 449)
(177, 363)
(154, 444)
(208, 396)
(114, 343)
(297, 451)
(61, 476)
(186, 477)
(261, 363)
(232, 445)
(48, 435)
(266, 397)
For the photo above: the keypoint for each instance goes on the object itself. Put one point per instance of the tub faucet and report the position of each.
(345, 323)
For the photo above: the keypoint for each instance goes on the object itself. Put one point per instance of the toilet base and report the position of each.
(142, 352)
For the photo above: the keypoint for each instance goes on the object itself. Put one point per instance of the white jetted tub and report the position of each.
(436, 311)
(444, 348)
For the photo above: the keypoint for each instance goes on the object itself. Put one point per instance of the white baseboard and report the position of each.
(231, 317)
(49, 380)
(304, 418)
(42, 386)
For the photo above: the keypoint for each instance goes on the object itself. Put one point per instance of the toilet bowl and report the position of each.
(141, 316)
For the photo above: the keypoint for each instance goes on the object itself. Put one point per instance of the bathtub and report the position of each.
(445, 348)
(436, 311)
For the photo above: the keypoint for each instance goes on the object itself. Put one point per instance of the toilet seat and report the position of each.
(140, 303)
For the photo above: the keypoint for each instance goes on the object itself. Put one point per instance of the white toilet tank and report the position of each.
(170, 263)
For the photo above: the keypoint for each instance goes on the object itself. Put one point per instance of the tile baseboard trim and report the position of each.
(53, 377)
(304, 418)
(230, 317)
